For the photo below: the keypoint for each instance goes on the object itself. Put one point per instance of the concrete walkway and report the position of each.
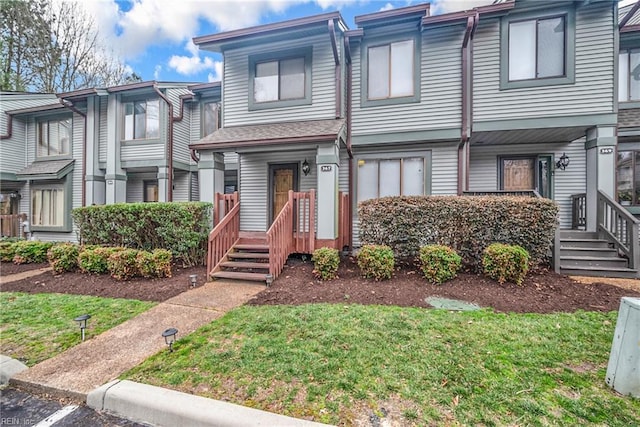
(24, 275)
(103, 358)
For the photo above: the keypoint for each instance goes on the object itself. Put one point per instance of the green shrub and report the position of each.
(31, 251)
(376, 262)
(325, 263)
(506, 263)
(7, 251)
(93, 259)
(467, 224)
(154, 264)
(63, 257)
(183, 228)
(123, 265)
(439, 263)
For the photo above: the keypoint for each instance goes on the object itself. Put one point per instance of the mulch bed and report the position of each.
(7, 268)
(542, 292)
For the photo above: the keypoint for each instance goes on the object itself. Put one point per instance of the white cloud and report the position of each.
(156, 72)
(386, 7)
(194, 64)
(445, 6)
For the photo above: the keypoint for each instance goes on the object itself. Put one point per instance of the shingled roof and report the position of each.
(50, 169)
(272, 133)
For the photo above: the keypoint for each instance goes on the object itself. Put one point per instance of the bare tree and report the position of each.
(65, 54)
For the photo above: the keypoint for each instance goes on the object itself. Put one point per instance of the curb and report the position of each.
(9, 367)
(162, 407)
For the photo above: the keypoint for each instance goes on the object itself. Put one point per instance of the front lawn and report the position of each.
(351, 363)
(35, 327)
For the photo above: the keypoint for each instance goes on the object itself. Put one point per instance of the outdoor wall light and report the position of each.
(306, 168)
(193, 278)
(82, 322)
(169, 336)
(562, 162)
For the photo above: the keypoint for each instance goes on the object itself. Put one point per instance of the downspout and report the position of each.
(169, 143)
(348, 101)
(464, 131)
(9, 127)
(187, 96)
(470, 99)
(70, 106)
(338, 71)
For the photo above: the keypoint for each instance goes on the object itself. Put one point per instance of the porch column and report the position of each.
(210, 175)
(327, 161)
(601, 168)
(163, 183)
(94, 180)
(116, 177)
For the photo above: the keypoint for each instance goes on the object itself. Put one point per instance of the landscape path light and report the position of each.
(193, 279)
(169, 336)
(82, 322)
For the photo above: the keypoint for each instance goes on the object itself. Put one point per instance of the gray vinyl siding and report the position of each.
(181, 129)
(102, 139)
(195, 188)
(343, 175)
(77, 150)
(592, 93)
(181, 186)
(231, 160)
(12, 101)
(13, 149)
(142, 151)
(440, 85)
(195, 127)
(135, 187)
(49, 236)
(444, 170)
(254, 184)
(236, 84)
(484, 170)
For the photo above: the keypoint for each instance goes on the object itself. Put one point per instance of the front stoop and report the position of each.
(582, 253)
(246, 261)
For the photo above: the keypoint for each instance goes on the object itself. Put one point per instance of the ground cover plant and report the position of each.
(349, 364)
(35, 327)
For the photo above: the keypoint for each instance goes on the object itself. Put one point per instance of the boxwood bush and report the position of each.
(63, 257)
(506, 263)
(31, 251)
(439, 263)
(181, 227)
(467, 224)
(93, 259)
(376, 262)
(325, 263)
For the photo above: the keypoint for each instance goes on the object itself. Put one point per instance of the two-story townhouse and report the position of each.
(628, 161)
(127, 143)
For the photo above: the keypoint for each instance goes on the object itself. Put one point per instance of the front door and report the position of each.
(283, 178)
(527, 173)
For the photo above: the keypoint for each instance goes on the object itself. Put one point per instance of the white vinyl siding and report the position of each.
(236, 84)
(592, 93)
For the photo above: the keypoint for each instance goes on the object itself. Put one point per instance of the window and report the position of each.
(405, 176)
(629, 76)
(536, 48)
(279, 80)
(150, 191)
(628, 177)
(54, 137)
(142, 119)
(390, 70)
(48, 207)
(210, 117)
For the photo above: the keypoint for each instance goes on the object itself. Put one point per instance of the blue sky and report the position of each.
(153, 37)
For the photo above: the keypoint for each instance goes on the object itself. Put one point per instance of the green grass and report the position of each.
(35, 327)
(339, 364)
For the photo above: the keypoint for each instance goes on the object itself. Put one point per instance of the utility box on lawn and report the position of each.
(623, 372)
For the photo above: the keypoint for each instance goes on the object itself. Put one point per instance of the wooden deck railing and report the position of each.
(619, 227)
(579, 211)
(344, 225)
(225, 234)
(280, 238)
(10, 225)
(222, 204)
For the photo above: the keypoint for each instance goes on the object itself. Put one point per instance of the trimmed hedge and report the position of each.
(95, 260)
(63, 257)
(439, 263)
(31, 251)
(7, 250)
(325, 263)
(467, 224)
(181, 227)
(376, 262)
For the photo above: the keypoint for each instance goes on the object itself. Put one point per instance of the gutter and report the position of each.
(338, 70)
(70, 106)
(467, 103)
(169, 143)
(9, 127)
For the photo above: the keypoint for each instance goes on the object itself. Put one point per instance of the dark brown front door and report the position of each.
(283, 179)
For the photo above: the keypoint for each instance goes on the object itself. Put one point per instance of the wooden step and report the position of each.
(236, 275)
(578, 234)
(599, 252)
(592, 261)
(251, 247)
(248, 265)
(584, 243)
(627, 273)
(249, 255)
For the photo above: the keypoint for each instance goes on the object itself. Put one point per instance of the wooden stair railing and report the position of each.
(620, 227)
(225, 234)
(280, 238)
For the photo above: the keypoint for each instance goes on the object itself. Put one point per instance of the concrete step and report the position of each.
(584, 243)
(248, 255)
(625, 273)
(246, 265)
(592, 261)
(236, 275)
(252, 247)
(598, 252)
(578, 234)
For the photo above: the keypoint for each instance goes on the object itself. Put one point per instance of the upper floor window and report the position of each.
(279, 80)
(210, 117)
(629, 75)
(54, 137)
(537, 48)
(391, 70)
(142, 119)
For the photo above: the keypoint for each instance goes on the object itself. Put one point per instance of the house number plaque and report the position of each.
(325, 168)
(607, 150)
